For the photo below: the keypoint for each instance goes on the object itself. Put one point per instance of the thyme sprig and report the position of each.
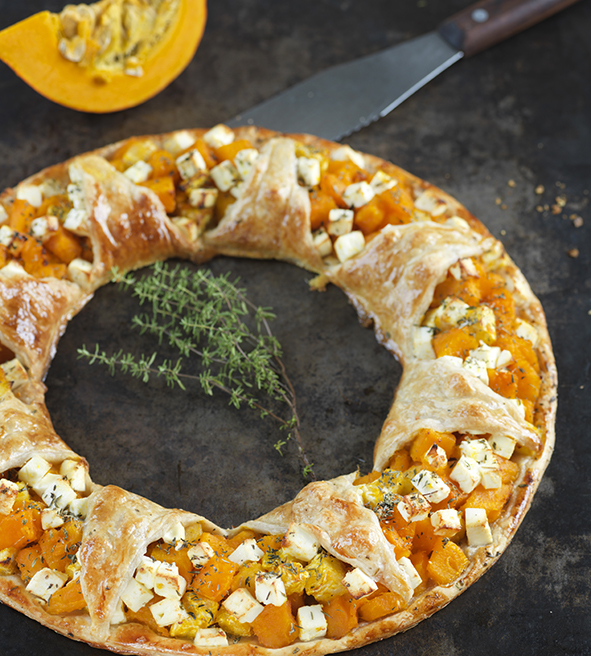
(208, 316)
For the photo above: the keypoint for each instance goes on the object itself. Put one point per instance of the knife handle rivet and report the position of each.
(480, 15)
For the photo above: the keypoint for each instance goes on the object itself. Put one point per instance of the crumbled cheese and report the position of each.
(225, 175)
(421, 342)
(312, 622)
(203, 197)
(248, 551)
(488, 355)
(8, 493)
(136, 595)
(505, 357)
(178, 142)
(480, 451)
(175, 535)
(414, 507)
(446, 522)
(50, 518)
(300, 543)
(34, 470)
(168, 611)
(466, 474)
(436, 457)
(79, 271)
(477, 527)
(76, 221)
(449, 314)
(429, 202)
(146, 572)
(526, 331)
(30, 193)
(322, 242)
(200, 553)
(382, 182)
(210, 637)
(243, 606)
(347, 246)
(476, 367)
(43, 226)
(358, 194)
(7, 234)
(168, 583)
(414, 578)
(189, 164)
(346, 153)
(308, 171)
(244, 160)
(340, 222)
(57, 492)
(138, 172)
(359, 584)
(45, 582)
(502, 445)
(76, 473)
(3, 214)
(220, 135)
(270, 589)
(431, 486)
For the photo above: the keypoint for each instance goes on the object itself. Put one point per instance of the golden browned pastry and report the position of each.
(350, 560)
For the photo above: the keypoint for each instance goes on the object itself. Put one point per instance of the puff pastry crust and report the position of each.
(391, 283)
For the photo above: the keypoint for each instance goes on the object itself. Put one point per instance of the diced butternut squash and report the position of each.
(335, 188)
(238, 539)
(455, 341)
(368, 478)
(398, 206)
(503, 382)
(20, 528)
(370, 217)
(144, 616)
(59, 545)
(508, 469)
(223, 202)
(400, 461)
(163, 165)
(420, 560)
(214, 579)
(168, 554)
(493, 501)
(275, 627)
(380, 606)
(67, 599)
(321, 204)
(30, 561)
(206, 152)
(402, 543)
(230, 150)
(270, 542)
(527, 380)
(447, 562)
(64, 245)
(341, 616)
(21, 216)
(245, 577)
(164, 188)
(502, 304)
(425, 438)
(466, 289)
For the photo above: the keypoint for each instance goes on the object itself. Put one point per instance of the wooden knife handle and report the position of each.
(490, 21)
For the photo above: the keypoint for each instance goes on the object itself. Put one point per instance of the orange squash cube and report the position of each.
(380, 606)
(493, 501)
(321, 204)
(275, 627)
(164, 188)
(341, 616)
(229, 151)
(67, 599)
(447, 562)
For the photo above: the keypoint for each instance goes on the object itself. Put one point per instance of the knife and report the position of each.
(347, 97)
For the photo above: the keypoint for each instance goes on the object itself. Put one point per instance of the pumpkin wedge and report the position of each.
(107, 56)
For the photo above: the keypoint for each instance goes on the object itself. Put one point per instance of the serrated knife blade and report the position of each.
(347, 97)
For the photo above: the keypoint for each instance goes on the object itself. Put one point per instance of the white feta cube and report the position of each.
(237, 190)
(358, 194)
(494, 257)
(8, 493)
(168, 582)
(244, 160)
(246, 552)
(458, 223)
(300, 543)
(488, 355)
(75, 189)
(80, 507)
(340, 222)
(168, 611)
(381, 182)
(45, 582)
(13, 271)
(15, 373)
(431, 486)
(517, 405)
(308, 171)
(76, 221)
(409, 569)
(79, 271)
(446, 522)
(346, 153)
(322, 242)
(464, 268)
(526, 331)
(136, 595)
(449, 314)
(225, 175)
(436, 457)
(34, 470)
(414, 507)
(421, 341)
(429, 202)
(200, 554)
(220, 135)
(43, 227)
(50, 518)
(146, 572)
(7, 234)
(350, 245)
(490, 479)
(175, 535)
(55, 491)
(502, 445)
(119, 616)
(359, 584)
(243, 605)
(189, 164)
(270, 589)
(312, 623)
(30, 193)
(477, 527)
(138, 172)
(481, 451)
(505, 357)
(203, 197)
(178, 142)
(3, 214)
(476, 367)
(189, 228)
(76, 471)
(210, 637)
(466, 473)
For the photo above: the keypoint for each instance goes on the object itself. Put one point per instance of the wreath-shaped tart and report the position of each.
(350, 560)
